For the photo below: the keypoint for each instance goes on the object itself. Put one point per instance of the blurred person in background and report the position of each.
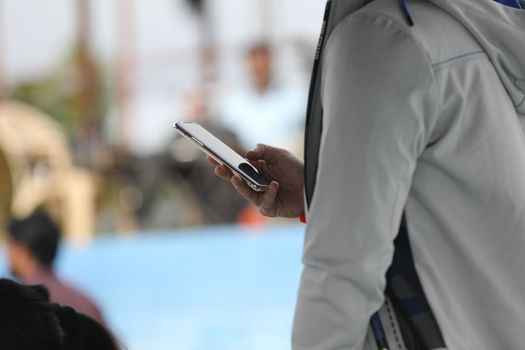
(268, 109)
(143, 155)
(218, 203)
(32, 245)
(29, 321)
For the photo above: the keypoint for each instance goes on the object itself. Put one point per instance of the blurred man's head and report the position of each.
(29, 321)
(260, 65)
(32, 243)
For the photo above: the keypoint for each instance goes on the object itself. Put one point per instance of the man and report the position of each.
(414, 179)
(32, 245)
(267, 109)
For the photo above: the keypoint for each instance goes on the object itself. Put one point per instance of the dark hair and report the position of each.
(38, 233)
(28, 321)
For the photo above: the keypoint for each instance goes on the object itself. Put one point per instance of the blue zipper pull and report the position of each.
(406, 13)
(511, 3)
(379, 332)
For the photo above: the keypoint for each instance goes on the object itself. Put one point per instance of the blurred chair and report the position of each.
(42, 170)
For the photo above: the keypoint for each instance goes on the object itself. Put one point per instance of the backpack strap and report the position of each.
(405, 295)
(314, 115)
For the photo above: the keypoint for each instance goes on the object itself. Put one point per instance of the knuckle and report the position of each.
(267, 210)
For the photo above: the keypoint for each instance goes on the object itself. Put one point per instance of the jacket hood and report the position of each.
(499, 29)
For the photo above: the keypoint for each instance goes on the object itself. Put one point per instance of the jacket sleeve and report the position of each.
(380, 101)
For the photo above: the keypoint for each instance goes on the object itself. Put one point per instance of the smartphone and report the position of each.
(223, 154)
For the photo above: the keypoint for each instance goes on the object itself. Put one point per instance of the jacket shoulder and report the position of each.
(439, 35)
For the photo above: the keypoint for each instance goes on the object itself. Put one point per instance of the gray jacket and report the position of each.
(419, 122)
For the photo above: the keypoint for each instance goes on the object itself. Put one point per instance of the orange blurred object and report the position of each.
(251, 217)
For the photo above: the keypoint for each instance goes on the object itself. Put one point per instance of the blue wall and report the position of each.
(221, 288)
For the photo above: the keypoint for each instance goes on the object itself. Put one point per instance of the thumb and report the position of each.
(262, 152)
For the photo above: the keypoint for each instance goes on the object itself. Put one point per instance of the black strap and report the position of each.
(314, 115)
(418, 325)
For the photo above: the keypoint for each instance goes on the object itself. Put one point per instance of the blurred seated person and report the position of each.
(32, 245)
(28, 321)
(267, 110)
(217, 202)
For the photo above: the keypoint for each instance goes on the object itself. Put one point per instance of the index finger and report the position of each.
(244, 190)
(212, 161)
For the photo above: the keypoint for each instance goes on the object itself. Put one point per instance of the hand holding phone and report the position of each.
(284, 197)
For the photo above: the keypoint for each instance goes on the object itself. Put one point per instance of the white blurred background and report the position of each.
(89, 90)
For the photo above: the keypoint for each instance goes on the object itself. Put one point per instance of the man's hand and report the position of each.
(284, 196)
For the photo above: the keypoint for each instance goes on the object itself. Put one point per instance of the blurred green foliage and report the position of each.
(58, 94)
(6, 189)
